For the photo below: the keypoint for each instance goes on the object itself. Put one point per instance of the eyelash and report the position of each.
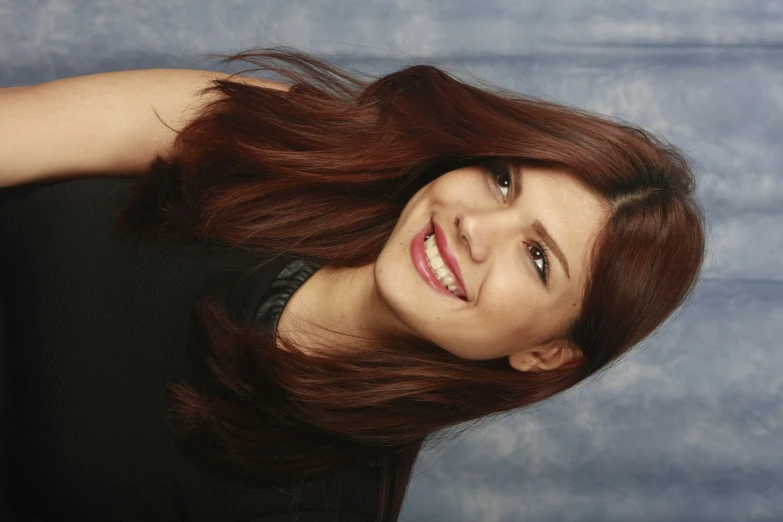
(497, 169)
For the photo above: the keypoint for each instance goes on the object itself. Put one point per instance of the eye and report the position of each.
(539, 255)
(499, 171)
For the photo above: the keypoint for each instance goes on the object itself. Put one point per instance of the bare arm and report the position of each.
(101, 124)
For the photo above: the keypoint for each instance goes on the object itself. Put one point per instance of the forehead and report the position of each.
(570, 211)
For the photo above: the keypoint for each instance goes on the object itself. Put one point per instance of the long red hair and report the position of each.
(322, 171)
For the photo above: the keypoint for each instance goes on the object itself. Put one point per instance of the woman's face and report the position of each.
(498, 235)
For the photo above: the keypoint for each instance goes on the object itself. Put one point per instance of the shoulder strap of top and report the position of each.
(291, 277)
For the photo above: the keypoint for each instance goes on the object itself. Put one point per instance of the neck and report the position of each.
(333, 306)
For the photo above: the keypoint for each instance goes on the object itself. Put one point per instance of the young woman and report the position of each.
(441, 252)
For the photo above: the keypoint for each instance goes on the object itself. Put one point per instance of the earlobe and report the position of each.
(545, 358)
(522, 361)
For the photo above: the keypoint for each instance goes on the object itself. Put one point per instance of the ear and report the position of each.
(551, 356)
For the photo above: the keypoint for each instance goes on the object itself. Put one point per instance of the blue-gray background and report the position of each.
(689, 427)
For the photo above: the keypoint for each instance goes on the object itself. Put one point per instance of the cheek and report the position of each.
(516, 312)
(512, 295)
(504, 309)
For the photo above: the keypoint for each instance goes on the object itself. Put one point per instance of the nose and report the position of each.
(480, 232)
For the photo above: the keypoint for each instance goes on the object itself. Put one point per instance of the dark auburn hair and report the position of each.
(322, 171)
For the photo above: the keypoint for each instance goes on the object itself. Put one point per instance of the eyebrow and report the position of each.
(539, 227)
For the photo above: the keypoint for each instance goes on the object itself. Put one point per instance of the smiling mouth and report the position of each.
(439, 268)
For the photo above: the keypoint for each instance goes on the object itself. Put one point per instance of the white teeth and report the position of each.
(439, 268)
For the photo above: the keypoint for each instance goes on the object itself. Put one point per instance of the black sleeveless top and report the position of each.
(92, 330)
(290, 278)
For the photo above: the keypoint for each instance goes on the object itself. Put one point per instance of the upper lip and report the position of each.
(448, 256)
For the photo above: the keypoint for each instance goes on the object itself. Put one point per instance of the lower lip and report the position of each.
(422, 266)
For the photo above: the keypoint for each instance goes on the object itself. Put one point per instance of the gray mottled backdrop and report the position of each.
(689, 427)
